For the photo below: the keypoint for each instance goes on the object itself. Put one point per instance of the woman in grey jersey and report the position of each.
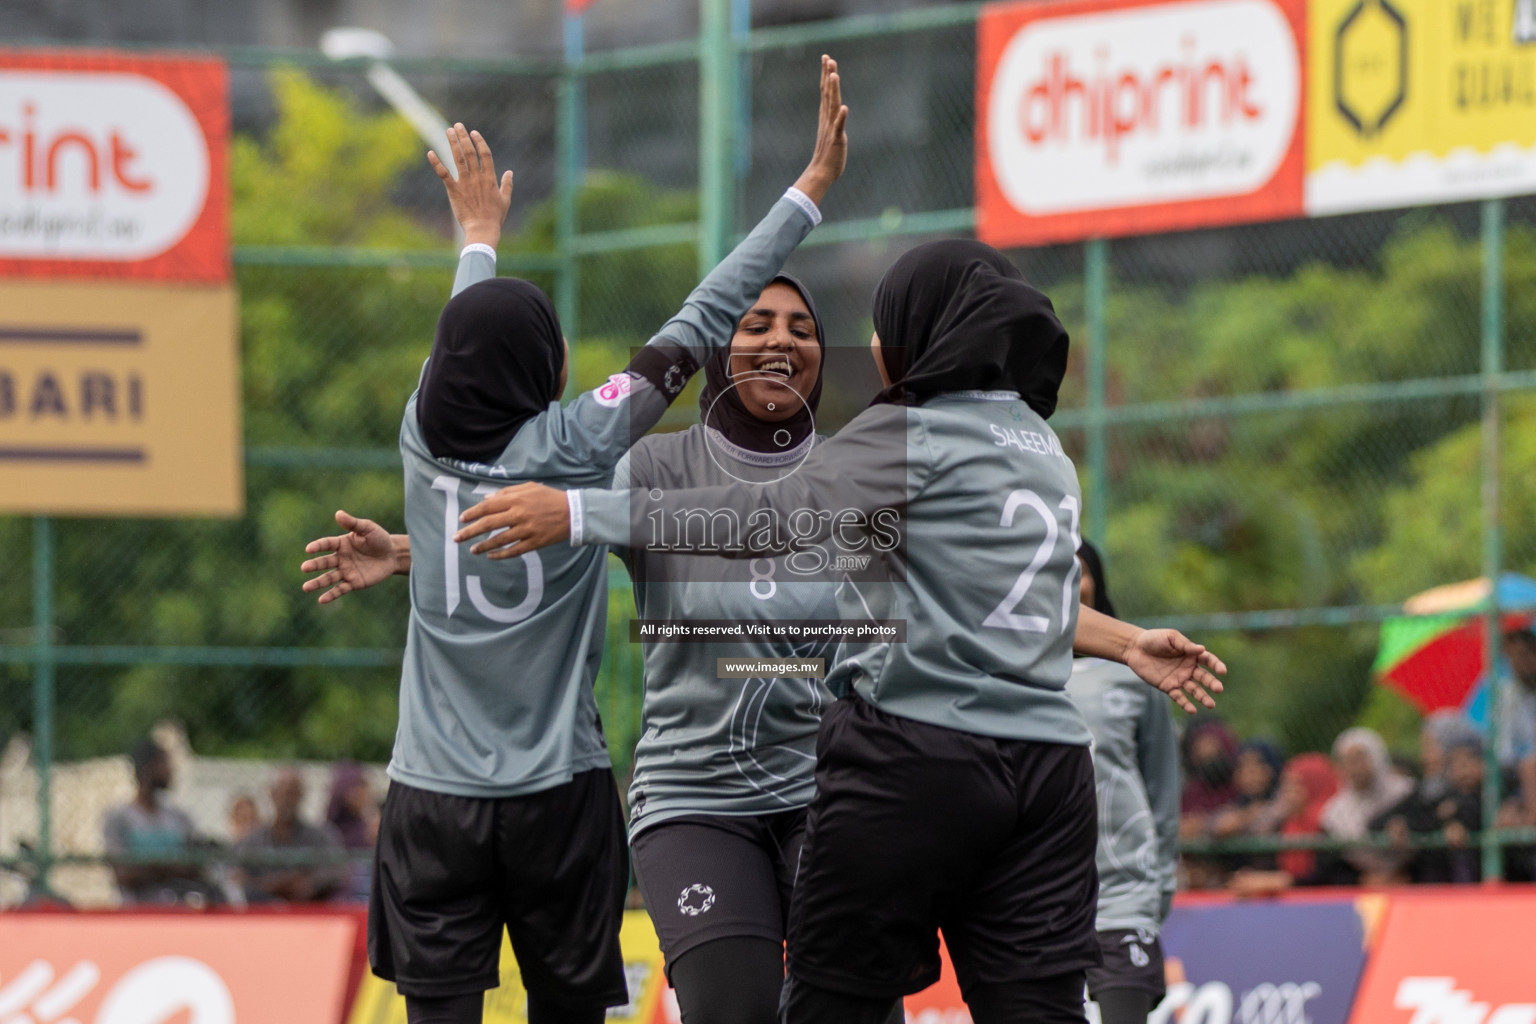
(954, 787)
(723, 767)
(502, 811)
(1136, 776)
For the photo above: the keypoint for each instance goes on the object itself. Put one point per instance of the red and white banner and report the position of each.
(1452, 957)
(1098, 118)
(152, 969)
(113, 165)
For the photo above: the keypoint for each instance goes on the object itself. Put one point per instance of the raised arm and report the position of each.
(598, 427)
(479, 200)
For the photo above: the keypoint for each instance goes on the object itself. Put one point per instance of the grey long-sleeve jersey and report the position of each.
(985, 578)
(710, 745)
(1136, 773)
(496, 689)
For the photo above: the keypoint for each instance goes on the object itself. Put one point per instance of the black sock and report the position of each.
(1057, 999)
(542, 1010)
(464, 1009)
(807, 1004)
(1124, 1005)
(734, 980)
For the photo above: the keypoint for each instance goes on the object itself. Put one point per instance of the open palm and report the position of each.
(355, 560)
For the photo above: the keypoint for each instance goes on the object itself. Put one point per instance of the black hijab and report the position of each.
(720, 405)
(495, 364)
(1094, 567)
(955, 316)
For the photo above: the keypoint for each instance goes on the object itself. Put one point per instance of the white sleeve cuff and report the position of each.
(482, 247)
(573, 503)
(807, 206)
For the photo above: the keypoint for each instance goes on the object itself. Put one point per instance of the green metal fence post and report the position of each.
(42, 689)
(1492, 367)
(570, 145)
(1095, 291)
(717, 112)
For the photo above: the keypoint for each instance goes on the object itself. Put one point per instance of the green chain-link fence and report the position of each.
(1283, 430)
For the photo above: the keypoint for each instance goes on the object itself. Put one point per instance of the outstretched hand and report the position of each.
(1176, 665)
(479, 203)
(831, 153)
(518, 519)
(355, 560)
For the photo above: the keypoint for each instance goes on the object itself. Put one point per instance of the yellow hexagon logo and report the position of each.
(1370, 65)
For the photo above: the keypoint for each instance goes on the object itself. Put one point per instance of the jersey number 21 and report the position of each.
(1004, 616)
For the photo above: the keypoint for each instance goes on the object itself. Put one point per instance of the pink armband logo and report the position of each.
(614, 391)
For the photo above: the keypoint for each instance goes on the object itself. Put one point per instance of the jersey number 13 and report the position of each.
(482, 604)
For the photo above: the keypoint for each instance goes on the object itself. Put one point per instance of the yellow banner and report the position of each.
(119, 399)
(1419, 101)
(378, 1003)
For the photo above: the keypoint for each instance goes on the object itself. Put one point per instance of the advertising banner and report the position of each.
(1134, 116)
(136, 969)
(1264, 963)
(113, 165)
(1449, 957)
(1419, 101)
(119, 399)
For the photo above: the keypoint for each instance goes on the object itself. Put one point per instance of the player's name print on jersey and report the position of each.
(1028, 442)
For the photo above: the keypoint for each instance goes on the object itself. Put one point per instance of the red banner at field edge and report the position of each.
(1104, 95)
(108, 154)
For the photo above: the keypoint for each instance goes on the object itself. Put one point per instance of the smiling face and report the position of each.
(775, 355)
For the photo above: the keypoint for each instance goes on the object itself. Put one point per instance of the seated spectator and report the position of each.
(1255, 778)
(295, 884)
(354, 817)
(1517, 724)
(149, 825)
(1371, 786)
(1455, 808)
(243, 817)
(1210, 753)
(1441, 731)
(1307, 784)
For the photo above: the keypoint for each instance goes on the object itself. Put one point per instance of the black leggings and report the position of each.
(1054, 1000)
(1123, 1005)
(734, 980)
(466, 1009)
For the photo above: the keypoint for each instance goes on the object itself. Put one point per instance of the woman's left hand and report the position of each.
(1176, 665)
(519, 519)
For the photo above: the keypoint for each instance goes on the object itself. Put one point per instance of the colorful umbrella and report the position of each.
(1434, 655)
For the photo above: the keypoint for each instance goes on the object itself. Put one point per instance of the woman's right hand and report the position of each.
(480, 201)
(363, 556)
(831, 153)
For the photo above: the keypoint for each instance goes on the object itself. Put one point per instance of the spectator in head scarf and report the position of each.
(1441, 731)
(1307, 784)
(1255, 778)
(351, 811)
(1371, 787)
(1210, 752)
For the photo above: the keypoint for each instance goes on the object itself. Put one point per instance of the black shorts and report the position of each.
(1133, 958)
(451, 871)
(916, 829)
(715, 876)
